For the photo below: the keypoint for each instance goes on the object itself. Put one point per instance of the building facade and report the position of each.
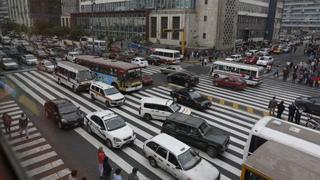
(206, 23)
(28, 12)
(259, 20)
(3, 10)
(301, 15)
(68, 7)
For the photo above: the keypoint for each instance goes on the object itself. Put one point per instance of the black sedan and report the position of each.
(186, 79)
(191, 98)
(153, 60)
(309, 104)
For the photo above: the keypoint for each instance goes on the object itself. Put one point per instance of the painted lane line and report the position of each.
(16, 134)
(58, 175)
(29, 144)
(33, 151)
(7, 102)
(9, 110)
(21, 139)
(45, 168)
(39, 158)
(8, 106)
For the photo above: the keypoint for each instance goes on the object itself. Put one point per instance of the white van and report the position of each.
(106, 93)
(178, 159)
(158, 108)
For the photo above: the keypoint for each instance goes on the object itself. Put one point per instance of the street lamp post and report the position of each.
(92, 31)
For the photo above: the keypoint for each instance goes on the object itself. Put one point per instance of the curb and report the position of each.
(224, 102)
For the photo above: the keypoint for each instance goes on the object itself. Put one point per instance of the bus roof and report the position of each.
(166, 50)
(239, 65)
(71, 66)
(107, 62)
(279, 161)
(293, 135)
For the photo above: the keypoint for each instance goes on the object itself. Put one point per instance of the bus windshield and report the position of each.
(84, 76)
(177, 55)
(133, 74)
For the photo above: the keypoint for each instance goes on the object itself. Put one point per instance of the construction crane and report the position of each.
(183, 41)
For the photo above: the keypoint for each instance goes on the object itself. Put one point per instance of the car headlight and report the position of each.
(116, 140)
(63, 120)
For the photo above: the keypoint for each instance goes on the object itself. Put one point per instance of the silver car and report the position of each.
(9, 64)
(171, 69)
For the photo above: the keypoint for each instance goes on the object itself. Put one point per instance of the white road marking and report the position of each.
(39, 158)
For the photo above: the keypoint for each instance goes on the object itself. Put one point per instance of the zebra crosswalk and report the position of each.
(235, 122)
(35, 154)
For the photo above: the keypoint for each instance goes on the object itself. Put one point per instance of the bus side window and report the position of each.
(221, 67)
(255, 143)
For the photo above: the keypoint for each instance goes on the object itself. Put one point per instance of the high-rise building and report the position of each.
(206, 23)
(300, 15)
(259, 20)
(28, 12)
(68, 7)
(3, 10)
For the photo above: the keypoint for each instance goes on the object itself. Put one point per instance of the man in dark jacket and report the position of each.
(297, 116)
(133, 175)
(292, 110)
(272, 106)
(280, 109)
(107, 169)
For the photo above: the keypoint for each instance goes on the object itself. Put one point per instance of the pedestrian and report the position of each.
(280, 108)
(23, 125)
(292, 110)
(73, 175)
(117, 175)
(294, 76)
(133, 175)
(107, 169)
(7, 123)
(297, 116)
(101, 157)
(205, 61)
(272, 106)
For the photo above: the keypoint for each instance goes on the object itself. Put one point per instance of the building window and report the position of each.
(205, 18)
(175, 25)
(153, 27)
(164, 25)
(204, 36)
(205, 1)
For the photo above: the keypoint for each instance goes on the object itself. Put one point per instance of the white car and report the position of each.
(9, 64)
(158, 108)
(251, 52)
(265, 60)
(142, 62)
(71, 56)
(29, 59)
(264, 52)
(46, 65)
(106, 93)
(178, 159)
(170, 69)
(110, 127)
(236, 57)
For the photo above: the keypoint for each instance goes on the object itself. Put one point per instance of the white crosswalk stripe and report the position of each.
(235, 122)
(34, 150)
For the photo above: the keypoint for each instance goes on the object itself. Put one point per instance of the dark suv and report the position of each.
(309, 104)
(191, 98)
(63, 112)
(196, 132)
(185, 79)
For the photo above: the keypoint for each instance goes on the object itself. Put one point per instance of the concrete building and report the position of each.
(259, 20)
(68, 7)
(207, 23)
(3, 10)
(28, 12)
(300, 15)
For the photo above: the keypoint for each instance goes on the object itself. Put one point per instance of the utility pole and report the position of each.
(92, 31)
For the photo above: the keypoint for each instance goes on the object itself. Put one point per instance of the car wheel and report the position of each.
(211, 151)
(109, 144)
(216, 76)
(89, 129)
(153, 162)
(108, 104)
(147, 117)
(92, 97)
(60, 126)
(303, 108)
(169, 80)
(186, 84)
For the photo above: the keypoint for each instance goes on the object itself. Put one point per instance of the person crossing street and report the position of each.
(280, 108)
(272, 106)
(292, 110)
(23, 125)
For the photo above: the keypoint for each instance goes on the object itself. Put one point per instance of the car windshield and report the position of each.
(84, 75)
(204, 128)
(188, 159)
(111, 91)
(30, 57)
(175, 107)
(67, 108)
(115, 123)
(177, 55)
(133, 74)
(47, 63)
(194, 94)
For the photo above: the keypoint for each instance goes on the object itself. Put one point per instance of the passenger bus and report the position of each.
(124, 76)
(168, 56)
(98, 44)
(272, 129)
(276, 161)
(250, 73)
(72, 75)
